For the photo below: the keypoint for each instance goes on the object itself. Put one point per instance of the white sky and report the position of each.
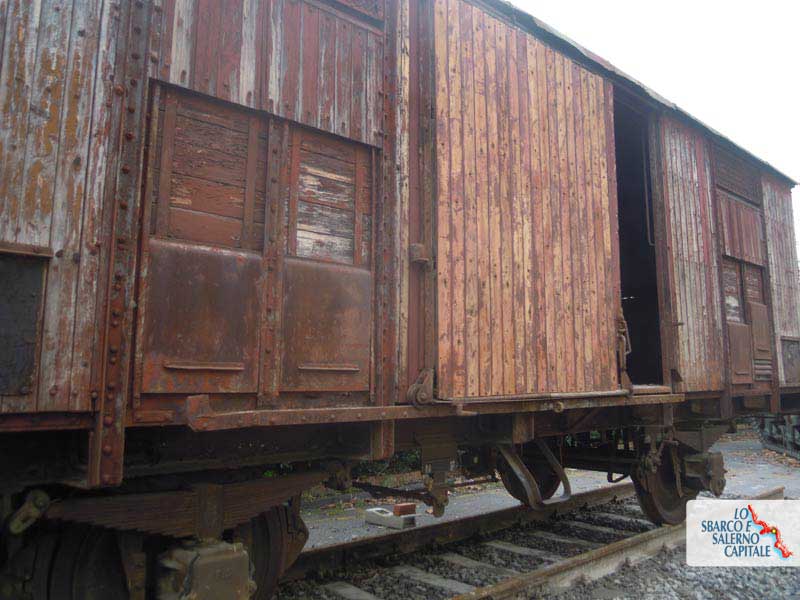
(733, 65)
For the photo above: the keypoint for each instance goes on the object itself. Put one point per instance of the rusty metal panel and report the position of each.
(305, 61)
(326, 327)
(692, 282)
(741, 351)
(784, 278)
(742, 229)
(202, 309)
(528, 269)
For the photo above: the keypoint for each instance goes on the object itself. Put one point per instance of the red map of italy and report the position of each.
(767, 528)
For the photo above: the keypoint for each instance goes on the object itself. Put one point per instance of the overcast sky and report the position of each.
(733, 65)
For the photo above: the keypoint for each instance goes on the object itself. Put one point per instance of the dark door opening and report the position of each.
(637, 246)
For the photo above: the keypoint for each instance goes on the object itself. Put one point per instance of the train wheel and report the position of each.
(544, 474)
(265, 539)
(659, 497)
(78, 563)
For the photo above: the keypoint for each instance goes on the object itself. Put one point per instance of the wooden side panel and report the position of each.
(740, 338)
(693, 283)
(55, 121)
(742, 229)
(299, 60)
(528, 274)
(784, 277)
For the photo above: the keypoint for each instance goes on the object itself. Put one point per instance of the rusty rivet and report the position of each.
(119, 90)
(137, 30)
(59, 253)
(131, 109)
(54, 390)
(128, 135)
(109, 396)
(76, 162)
(126, 169)
(108, 420)
(115, 313)
(135, 55)
(94, 394)
(123, 205)
(107, 450)
(110, 387)
(113, 360)
(117, 287)
(113, 349)
(106, 478)
(81, 32)
(114, 322)
(134, 82)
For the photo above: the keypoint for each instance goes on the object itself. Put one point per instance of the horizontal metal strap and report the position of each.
(189, 365)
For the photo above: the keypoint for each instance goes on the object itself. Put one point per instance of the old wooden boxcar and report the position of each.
(245, 244)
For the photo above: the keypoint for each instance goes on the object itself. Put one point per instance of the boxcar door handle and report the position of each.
(190, 365)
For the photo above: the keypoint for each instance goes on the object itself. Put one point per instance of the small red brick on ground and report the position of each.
(404, 508)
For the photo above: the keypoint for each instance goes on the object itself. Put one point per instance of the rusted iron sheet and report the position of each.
(528, 272)
(784, 277)
(201, 319)
(693, 319)
(326, 327)
(742, 229)
(305, 61)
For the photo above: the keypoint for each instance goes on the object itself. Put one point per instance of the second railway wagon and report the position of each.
(245, 245)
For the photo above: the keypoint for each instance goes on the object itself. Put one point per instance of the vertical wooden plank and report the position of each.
(180, 62)
(344, 76)
(557, 370)
(357, 99)
(276, 52)
(605, 341)
(582, 219)
(572, 223)
(207, 33)
(49, 94)
(292, 188)
(525, 192)
(614, 306)
(359, 207)
(327, 71)
(505, 240)
(250, 57)
(102, 136)
(537, 152)
(372, 63)
(610, 269)
(575, 227)
(593, 335)
(291, 64)
(69, 188)
(471, 249)
(229, 52)
(445, 378)
(485, 348)
(515, 214)
(456, 201)
(493, 139)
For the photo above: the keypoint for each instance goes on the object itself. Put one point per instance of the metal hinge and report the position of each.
(421, 391)
(418, 254)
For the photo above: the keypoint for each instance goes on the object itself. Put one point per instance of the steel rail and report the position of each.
(328, 558)
(595, 563)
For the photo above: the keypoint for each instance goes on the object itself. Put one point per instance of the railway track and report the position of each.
(503, 554)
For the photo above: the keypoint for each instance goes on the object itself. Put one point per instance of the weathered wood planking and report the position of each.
(55, 94)
(742, 229)
(693, 284)
(782, 252)
(295, 59)
(527, 267)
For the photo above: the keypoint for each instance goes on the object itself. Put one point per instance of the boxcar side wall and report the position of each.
(528, 264)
